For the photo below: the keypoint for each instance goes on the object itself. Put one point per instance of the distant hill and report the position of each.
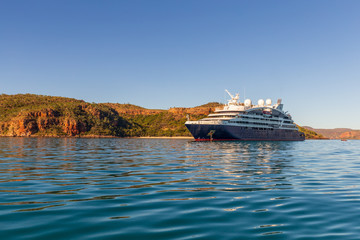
(210, 104)
(38, 115)
(337, 133)
(311, 134)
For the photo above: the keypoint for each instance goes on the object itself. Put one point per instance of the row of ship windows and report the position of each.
(275, 120)
(260, 114)
(256, 128)
(267, 119)
(255, 123)
(264, 124)
(269, 129)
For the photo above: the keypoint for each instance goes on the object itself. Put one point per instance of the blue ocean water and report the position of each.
(68, 188)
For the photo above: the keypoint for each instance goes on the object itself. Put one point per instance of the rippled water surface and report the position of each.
(177, 189)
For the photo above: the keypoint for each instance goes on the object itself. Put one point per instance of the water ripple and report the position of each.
(176, 189)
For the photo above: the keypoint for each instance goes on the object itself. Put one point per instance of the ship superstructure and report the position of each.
(245, 121)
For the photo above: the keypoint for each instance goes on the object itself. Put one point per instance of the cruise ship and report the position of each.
(246, 122)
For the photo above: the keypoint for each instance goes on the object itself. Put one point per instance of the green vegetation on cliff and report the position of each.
(37, 115)
(309, 134)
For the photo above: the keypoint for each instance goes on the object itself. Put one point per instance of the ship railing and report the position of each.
(226, 108)
(222, 114)
(203, 122)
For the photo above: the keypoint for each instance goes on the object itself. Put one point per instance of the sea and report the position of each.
(114, 188)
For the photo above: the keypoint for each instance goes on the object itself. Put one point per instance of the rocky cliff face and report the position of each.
(35, 115)
(354, 134)
(35, 123)
(29, 123)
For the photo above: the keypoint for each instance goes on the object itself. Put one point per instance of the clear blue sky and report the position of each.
(183, 53)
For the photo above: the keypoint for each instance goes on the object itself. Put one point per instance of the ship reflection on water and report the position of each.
(245, 166)
(226, 165)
